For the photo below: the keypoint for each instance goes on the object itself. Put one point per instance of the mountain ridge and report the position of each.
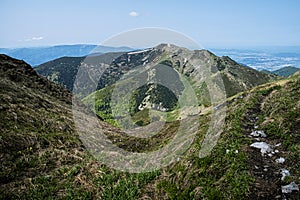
(137, 56)
(198, 66)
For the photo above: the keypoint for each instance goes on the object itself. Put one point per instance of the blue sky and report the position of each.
(212, 23)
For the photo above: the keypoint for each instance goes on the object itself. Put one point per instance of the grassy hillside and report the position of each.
(42, 156)
(64, 70)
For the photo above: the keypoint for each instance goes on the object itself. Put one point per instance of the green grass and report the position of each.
(43, 157)
(217, 176)
(120, 185)
(281, 114)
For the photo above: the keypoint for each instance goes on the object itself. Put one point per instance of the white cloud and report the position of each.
(34, 38)
(37, 38)
(133, 14)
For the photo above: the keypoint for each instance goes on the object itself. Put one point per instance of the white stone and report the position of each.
(284, 173)
(290, 188)
(263, 146)
(280, 160)
(258, 134)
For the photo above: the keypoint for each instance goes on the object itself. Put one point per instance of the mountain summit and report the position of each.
(236, 78)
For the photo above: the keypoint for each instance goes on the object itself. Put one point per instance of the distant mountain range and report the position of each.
(272, 58)
(38, 55)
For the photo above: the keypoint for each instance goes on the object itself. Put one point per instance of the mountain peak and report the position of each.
(170, 47)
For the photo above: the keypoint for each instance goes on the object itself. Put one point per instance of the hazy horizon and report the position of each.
(290, 48)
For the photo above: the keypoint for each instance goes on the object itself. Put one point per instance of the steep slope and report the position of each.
(238, 78)
(37, 134)
(64, 70)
